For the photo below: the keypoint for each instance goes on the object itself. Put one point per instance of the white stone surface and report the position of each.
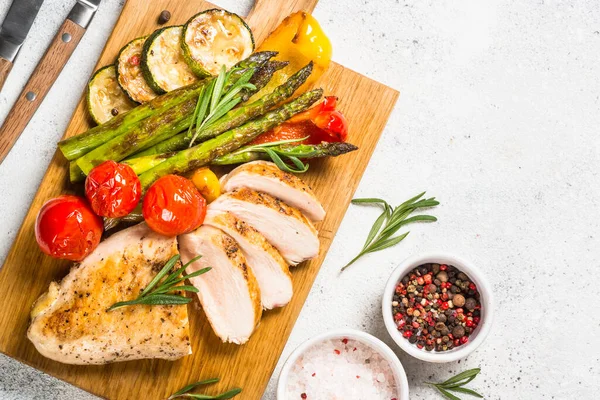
(498, 117)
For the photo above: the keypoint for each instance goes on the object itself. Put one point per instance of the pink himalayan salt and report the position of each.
(339, 369)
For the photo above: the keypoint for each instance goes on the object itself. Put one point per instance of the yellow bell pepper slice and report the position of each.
(299, 39)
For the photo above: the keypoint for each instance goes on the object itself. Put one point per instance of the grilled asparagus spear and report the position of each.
(252, 153)
(158, 128)
(155, 128)
(236, 116)
(144, 163)
(303, 151)
(229, 141)
(77, 146)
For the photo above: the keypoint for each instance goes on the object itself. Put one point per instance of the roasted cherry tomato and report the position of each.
(66, 227)
(113, 189)
(322, 123)
(207, 183)
(173, 206)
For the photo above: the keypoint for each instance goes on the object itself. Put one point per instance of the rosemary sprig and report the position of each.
(183, 392)
(456, 383)
(293, 164)
(158, 294)
(214, 101)
(392, 219)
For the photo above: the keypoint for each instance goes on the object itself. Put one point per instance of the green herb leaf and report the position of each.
(180, 271)
(153, 300)
(191, 386)
(279, 157)
(192, 275)
(447, 394)
(463, 375)
(376, 227)
(380, 236)
(160, 275)
(218, 88)
(235, 90)
(186, 288)
(412, 200)
(197, 109)
(459, 383)
(222, 110)
(401, 221)
(275, 157)
(230, 394)
(271, 144)
(157, 293)
(204, 104)
(183, 392)
(300, 166)
(220, 97)
(456, 383)
(467, 391)
(197, 273)
(388, 243)
(368, 200)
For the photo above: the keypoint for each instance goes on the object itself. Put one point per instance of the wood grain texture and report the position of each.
(27, 272)
(5, 67)
(39, 84)
(267, 14)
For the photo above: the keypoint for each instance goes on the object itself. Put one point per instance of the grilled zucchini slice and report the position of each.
(105, 97)
(214, 38)
(163, 64)
(129, 72)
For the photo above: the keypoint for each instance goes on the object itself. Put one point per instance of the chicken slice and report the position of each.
(271, 271)
(266, 177)
(70, 324)
(285, 227)
(229, 293)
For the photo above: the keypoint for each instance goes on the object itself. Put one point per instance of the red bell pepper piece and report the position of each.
(322, 123)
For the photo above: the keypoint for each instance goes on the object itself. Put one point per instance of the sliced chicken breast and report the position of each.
(271, 271)
(266, 177)
(285, 227)
(70, 324)
(229, 293)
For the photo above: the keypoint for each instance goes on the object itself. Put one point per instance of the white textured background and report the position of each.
(498, 117)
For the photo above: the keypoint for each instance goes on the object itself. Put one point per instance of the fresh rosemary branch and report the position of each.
(293, 164)
(392, 219)
(158, 294)
(456, 384)
(183, 392)
(213, 102)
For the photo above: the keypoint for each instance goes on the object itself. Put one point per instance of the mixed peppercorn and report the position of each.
(436, 307)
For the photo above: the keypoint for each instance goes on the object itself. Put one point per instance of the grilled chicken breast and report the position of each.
(271, 271)
(266, 177)
(285, 227)
(70, 324)
(229, 293)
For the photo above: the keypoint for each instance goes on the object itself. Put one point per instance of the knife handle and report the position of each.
(39, 84)
(5, 67)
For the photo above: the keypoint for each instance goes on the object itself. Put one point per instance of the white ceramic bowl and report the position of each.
(363, 337)
(487, 307)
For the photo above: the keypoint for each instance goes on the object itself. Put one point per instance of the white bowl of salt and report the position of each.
(343, 364)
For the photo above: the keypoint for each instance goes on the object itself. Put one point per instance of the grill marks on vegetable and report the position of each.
(129, 72)
(213, 38)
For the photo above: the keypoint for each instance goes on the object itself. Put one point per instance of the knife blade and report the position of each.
(15, 28)
(46, 72)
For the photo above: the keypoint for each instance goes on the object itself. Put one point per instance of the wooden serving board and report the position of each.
(27, 272)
